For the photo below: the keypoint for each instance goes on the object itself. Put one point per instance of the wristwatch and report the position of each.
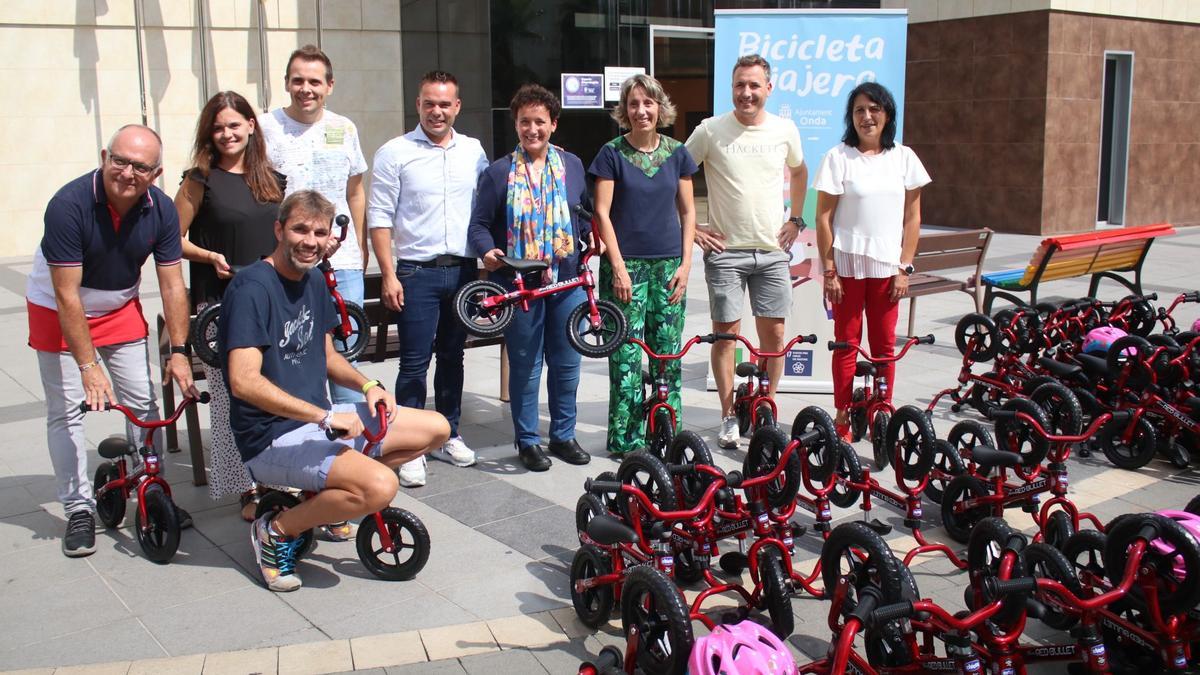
(907, 269)
(184, 349)
(798, 220)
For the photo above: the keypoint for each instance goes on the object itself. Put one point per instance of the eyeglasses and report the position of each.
(869, 110)
(139, 169)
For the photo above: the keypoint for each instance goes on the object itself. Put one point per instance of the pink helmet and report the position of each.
(1098, 340)
(1191, 523)
(743, 648)
(1196, 326)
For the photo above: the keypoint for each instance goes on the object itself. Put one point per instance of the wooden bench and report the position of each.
(1103, 254)
(383, 344)
(944, 251)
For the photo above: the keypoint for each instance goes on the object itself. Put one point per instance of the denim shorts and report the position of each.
(729, 272)
(301, 458)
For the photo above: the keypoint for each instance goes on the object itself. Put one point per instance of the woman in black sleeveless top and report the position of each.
(227, 203)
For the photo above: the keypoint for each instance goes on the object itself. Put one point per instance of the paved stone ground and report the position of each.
(494, 595)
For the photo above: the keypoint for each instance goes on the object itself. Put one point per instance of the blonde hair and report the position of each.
(666, 109)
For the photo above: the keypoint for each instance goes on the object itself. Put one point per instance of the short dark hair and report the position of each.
(751, 60)
(535, 94)
(310, 53)
(880, 95)
(308, 203)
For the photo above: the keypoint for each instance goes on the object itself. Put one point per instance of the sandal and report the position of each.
(246, 499)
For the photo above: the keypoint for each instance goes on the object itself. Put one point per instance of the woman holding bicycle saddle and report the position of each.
(647, 219)
(227, 204)
(868, 222)
(524, 208)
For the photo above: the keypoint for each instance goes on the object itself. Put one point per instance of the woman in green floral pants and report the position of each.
(646, 218)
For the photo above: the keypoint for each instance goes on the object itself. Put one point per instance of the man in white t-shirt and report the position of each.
(744, 153)
(319, 150)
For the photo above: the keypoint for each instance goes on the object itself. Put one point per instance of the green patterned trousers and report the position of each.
(659, 323)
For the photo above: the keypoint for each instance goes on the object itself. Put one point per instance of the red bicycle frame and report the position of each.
(761, 393)
(662, 391)
(875, 399)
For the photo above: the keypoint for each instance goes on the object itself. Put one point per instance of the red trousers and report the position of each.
(871, 296)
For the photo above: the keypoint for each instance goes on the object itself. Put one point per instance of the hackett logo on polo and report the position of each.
(756, 149)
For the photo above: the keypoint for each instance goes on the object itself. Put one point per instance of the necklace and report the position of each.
(651, 151)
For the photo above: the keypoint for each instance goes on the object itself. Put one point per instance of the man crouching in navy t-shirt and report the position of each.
(274, 337)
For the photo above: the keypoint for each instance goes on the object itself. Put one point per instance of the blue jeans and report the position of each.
(350, 285)
(428, 326)
(543, 331)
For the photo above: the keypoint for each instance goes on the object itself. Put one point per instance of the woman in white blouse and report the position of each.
(868, 223)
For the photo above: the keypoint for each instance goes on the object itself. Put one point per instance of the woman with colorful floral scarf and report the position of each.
(647, 219)
(524, 208)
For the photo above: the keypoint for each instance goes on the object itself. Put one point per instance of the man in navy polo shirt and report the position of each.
(82, 299)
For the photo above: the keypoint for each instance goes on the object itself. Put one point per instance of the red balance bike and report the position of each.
(157, 526)
(752, 402)
(350, 335)
(392, 544)
(596, 328)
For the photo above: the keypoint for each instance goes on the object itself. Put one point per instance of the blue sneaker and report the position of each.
(276, 555)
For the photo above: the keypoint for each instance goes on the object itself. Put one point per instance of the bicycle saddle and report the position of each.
(1093, 365)
(988, 456)
(1193, 402)
(525, 266)
(864, 368)
(1058, 368)
(747, 369)
(647, 378)
(115, 447)
(606, 530)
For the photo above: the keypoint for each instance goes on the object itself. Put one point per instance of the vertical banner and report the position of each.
(817, 57)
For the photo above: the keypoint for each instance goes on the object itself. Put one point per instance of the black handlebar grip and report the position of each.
(995, 588)
(1194, 296)
(927, 340)
(85, 408)
(334, 434)
(602, 486)
(868, 600)
(204, 397)
(899, 610)
(1149, 530)
(582, 212)
(1121, 416)
(609, 660)
(342, 221)
(997, 414)
(681, 469)
(811, 339)
(834, 346)
(1152, 296)
(734, 479)
(725, 336)
(809, 437)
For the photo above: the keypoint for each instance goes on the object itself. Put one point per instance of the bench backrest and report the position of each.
(948, 250)
(1091, 252)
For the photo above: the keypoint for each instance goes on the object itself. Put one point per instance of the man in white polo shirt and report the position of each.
(422, 186)
(744, 153)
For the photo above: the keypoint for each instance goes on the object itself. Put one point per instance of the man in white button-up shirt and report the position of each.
(422, 186)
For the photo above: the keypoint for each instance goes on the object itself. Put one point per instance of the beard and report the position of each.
(299, 264)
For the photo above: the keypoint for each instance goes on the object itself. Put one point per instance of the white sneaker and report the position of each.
(456, 452)
(412, 474)
(728, 438)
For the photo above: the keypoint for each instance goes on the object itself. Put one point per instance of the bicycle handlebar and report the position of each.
(149, 424)
(372, 437)
(926, 340)
(342, 221)
(994, 587)
(1194, 296)
(1118, 416)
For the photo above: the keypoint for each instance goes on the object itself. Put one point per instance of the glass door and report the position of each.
(681, 58)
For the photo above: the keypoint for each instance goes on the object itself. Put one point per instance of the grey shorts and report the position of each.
(301, 458)
(729, 272)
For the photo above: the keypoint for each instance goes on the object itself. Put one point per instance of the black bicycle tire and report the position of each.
(1046, 562)
(947, 462)
(198, 335)
(354, 348)
(986, 533)
(1120, 536)
(776, 595)
(959, 526)
(848, 466)
(1141, 449)
(659, 487)
(588, 506)
(1014, 435)
(879, 445)
(161, 519)
(1058, 529)
(671, 615)
(602, 350)
(990, 345)
(110, 508)
(858, 414)
(879, 568)
(965, 436)
(914, 451)
(594, 607)
(814, 418)
(762, 456)
(369, 556)
(664, 433)
(1062, 407)
(462, 311)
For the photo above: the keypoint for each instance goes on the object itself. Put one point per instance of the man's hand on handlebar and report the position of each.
(392, 293)
(377, 394)
(348, 424)
(709, 239)
(491, 260)
(96, 388)
(179, 368)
